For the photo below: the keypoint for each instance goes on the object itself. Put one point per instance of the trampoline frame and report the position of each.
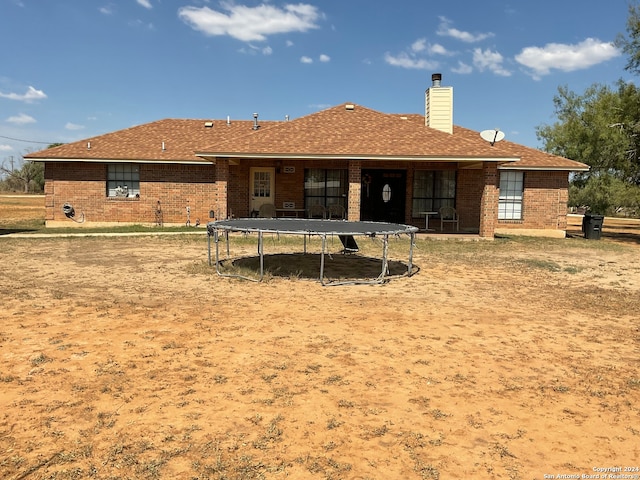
(309, 227)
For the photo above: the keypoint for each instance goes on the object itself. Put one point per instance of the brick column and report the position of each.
(355, 186)
(489, 200)
(222, 183)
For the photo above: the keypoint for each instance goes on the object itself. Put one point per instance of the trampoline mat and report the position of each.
(310, 226)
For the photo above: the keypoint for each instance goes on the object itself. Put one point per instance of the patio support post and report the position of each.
(489, 200)
(355, 187)
(222, 191)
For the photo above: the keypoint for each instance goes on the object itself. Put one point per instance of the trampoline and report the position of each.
(346, 231)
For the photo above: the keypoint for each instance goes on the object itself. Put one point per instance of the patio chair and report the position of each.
(317, 211)
(267, 210)
(336, 212)
(449, 215)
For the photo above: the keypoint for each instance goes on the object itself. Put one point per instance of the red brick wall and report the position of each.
(544, 202)
(469, 188)
(83, 185)
(355, 190)
(489, 199)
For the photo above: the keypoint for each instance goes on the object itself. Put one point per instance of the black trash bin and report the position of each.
(592, 226)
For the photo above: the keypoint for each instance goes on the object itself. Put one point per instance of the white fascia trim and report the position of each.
(543, 169)
(119, 160)
(275, 156)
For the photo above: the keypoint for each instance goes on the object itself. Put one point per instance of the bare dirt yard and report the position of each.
(129, 358)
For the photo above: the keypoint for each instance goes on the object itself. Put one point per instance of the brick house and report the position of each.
(377, 166)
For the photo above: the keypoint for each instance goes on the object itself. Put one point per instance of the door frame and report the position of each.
(256, 202)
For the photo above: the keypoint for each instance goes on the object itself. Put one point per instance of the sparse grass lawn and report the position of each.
(128, 357)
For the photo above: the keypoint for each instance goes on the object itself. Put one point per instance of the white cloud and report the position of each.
(289, 43)
(462, 68)
(559, 56)
(73, 126)
(22, 119)
(145, 3)
(437, 49)
(254, 50)
(107, 9)
(30, 96)
(405, 60)
(325, 58)
(489, 60)
(419, 45)
(446, 30)
(251, 23)
(140, 24)
(306, 60)
(5, 148)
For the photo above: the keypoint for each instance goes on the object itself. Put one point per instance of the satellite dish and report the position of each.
(492, 136)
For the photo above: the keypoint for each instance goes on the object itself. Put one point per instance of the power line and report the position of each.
(26, 141)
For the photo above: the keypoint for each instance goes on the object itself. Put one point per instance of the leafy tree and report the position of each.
(601, 128)
(597, 128)
(630, 43)
(29, 178)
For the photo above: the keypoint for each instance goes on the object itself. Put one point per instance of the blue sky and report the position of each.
(73, 69)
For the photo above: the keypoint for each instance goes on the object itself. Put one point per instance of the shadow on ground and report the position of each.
(624, 235)
(307, 266)
(9, 231)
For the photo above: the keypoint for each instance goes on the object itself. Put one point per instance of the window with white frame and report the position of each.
(510, 200)
(123, 180)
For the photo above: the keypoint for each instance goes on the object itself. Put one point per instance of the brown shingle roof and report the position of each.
(144, 142)
(357, 132)
(530, 158)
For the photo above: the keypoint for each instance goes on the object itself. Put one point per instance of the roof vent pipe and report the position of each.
(255, 122)
(88, 145)
(286, 118)
(436, 79)
(228, 120)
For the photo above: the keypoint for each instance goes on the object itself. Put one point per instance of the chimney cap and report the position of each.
(436, 78)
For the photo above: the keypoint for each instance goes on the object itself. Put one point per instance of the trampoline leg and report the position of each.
(209, 247)
(385, 264)
(226, 233)
(410, 265)
(261, 254)
(324, 241)
(216, 240)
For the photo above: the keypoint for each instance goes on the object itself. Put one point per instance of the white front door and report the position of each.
(262, 187)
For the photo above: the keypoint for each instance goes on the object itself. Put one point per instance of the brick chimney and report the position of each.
(439, 105)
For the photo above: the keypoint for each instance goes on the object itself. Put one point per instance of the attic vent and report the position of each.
(350, 106)
(208, 124)
(404, 118)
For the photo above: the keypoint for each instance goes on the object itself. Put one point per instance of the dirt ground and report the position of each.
(129, 358)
